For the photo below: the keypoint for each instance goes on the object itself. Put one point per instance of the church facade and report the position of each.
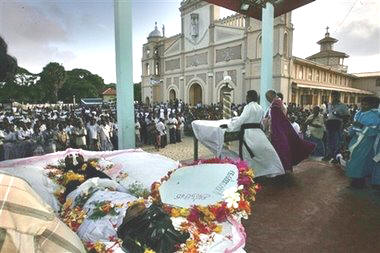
(192, 65)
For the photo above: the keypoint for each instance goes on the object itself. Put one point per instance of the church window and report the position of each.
(259, 47)
(156, 69)
(378, 82)
(286, 51)
(147, 52)
(147, 69)
(317, 76)
(309, 74)
(300, 73)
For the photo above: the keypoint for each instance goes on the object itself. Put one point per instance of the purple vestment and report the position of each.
(289, 146)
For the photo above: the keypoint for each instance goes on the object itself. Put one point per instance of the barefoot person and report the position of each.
(255, 146)
(289, 146)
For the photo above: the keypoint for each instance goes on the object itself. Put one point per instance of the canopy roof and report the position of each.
(254, 10)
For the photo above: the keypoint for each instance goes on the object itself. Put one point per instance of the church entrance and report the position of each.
(147, 101)
(195, 94)
(172, 95)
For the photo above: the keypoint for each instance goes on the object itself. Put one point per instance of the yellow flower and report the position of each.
(250, 173)
(191, 244)
(84, 167)
(184, 212)
(93, 164)
(218, 229)
(149, 251)
(99, 247)
(71, 176)
(175, 212)
(67, 203)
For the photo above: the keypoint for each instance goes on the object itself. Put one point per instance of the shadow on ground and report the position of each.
(313, 210)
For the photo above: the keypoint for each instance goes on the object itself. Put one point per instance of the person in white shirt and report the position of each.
(161, 133)
(93, 130)
(255, 147)
(295, 125)
(80, 133)
(104, 134)
(9, 140)
(137, 132)
(179, 128)
(172, 123)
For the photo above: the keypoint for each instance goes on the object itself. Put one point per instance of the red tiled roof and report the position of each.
(109, 91)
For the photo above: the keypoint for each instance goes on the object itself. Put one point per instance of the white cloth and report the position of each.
(265, 162)
(93, 131)
(160, 128)
(296, 127)
(173, 122)
(210, 134)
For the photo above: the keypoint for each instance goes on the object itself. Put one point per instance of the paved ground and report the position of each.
(180, 151)
(311, 210)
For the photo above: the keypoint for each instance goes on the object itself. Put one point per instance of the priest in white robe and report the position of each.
(256, 148)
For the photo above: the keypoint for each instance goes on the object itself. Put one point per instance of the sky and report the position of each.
(80, 33)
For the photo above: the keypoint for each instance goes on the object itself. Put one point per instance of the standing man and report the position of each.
(172, 123)
(316, 127)
(255, 146)
(337, 114)
(289, 146)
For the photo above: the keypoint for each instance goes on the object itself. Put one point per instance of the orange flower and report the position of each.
(244, 205)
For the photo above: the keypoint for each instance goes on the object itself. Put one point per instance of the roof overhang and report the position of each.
(255, 6)
(333, 87)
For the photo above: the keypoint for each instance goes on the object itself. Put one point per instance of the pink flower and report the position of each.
(221, 213)
(194, 215)
(244, 181)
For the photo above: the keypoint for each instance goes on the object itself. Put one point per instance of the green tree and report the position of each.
(81, 83)
(8, 64)
(53, 77)
(22, 88)
(137, 91)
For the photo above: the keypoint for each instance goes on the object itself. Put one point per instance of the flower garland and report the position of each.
(72, 217)
(101, 247)
(104, 208)
(204, 220)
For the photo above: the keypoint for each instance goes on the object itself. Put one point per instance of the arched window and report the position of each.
(157, 69)
(147, 68)
(259, 43)
(286, 50)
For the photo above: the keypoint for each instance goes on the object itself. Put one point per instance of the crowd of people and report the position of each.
(42, 130)
(331, 127)
(38, 131)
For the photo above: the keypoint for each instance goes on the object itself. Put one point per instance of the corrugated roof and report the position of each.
(327, 39)
(367, 74)
(328, 53)
(109, 91)
(334, 87)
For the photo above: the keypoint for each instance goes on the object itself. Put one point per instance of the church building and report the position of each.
(192, 65)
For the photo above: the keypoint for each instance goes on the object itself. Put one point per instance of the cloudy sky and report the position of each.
(80, 33)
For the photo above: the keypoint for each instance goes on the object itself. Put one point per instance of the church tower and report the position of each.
(327, 55)
(282, 53)
(151, 67)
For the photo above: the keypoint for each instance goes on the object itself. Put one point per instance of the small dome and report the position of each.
(155, 32)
